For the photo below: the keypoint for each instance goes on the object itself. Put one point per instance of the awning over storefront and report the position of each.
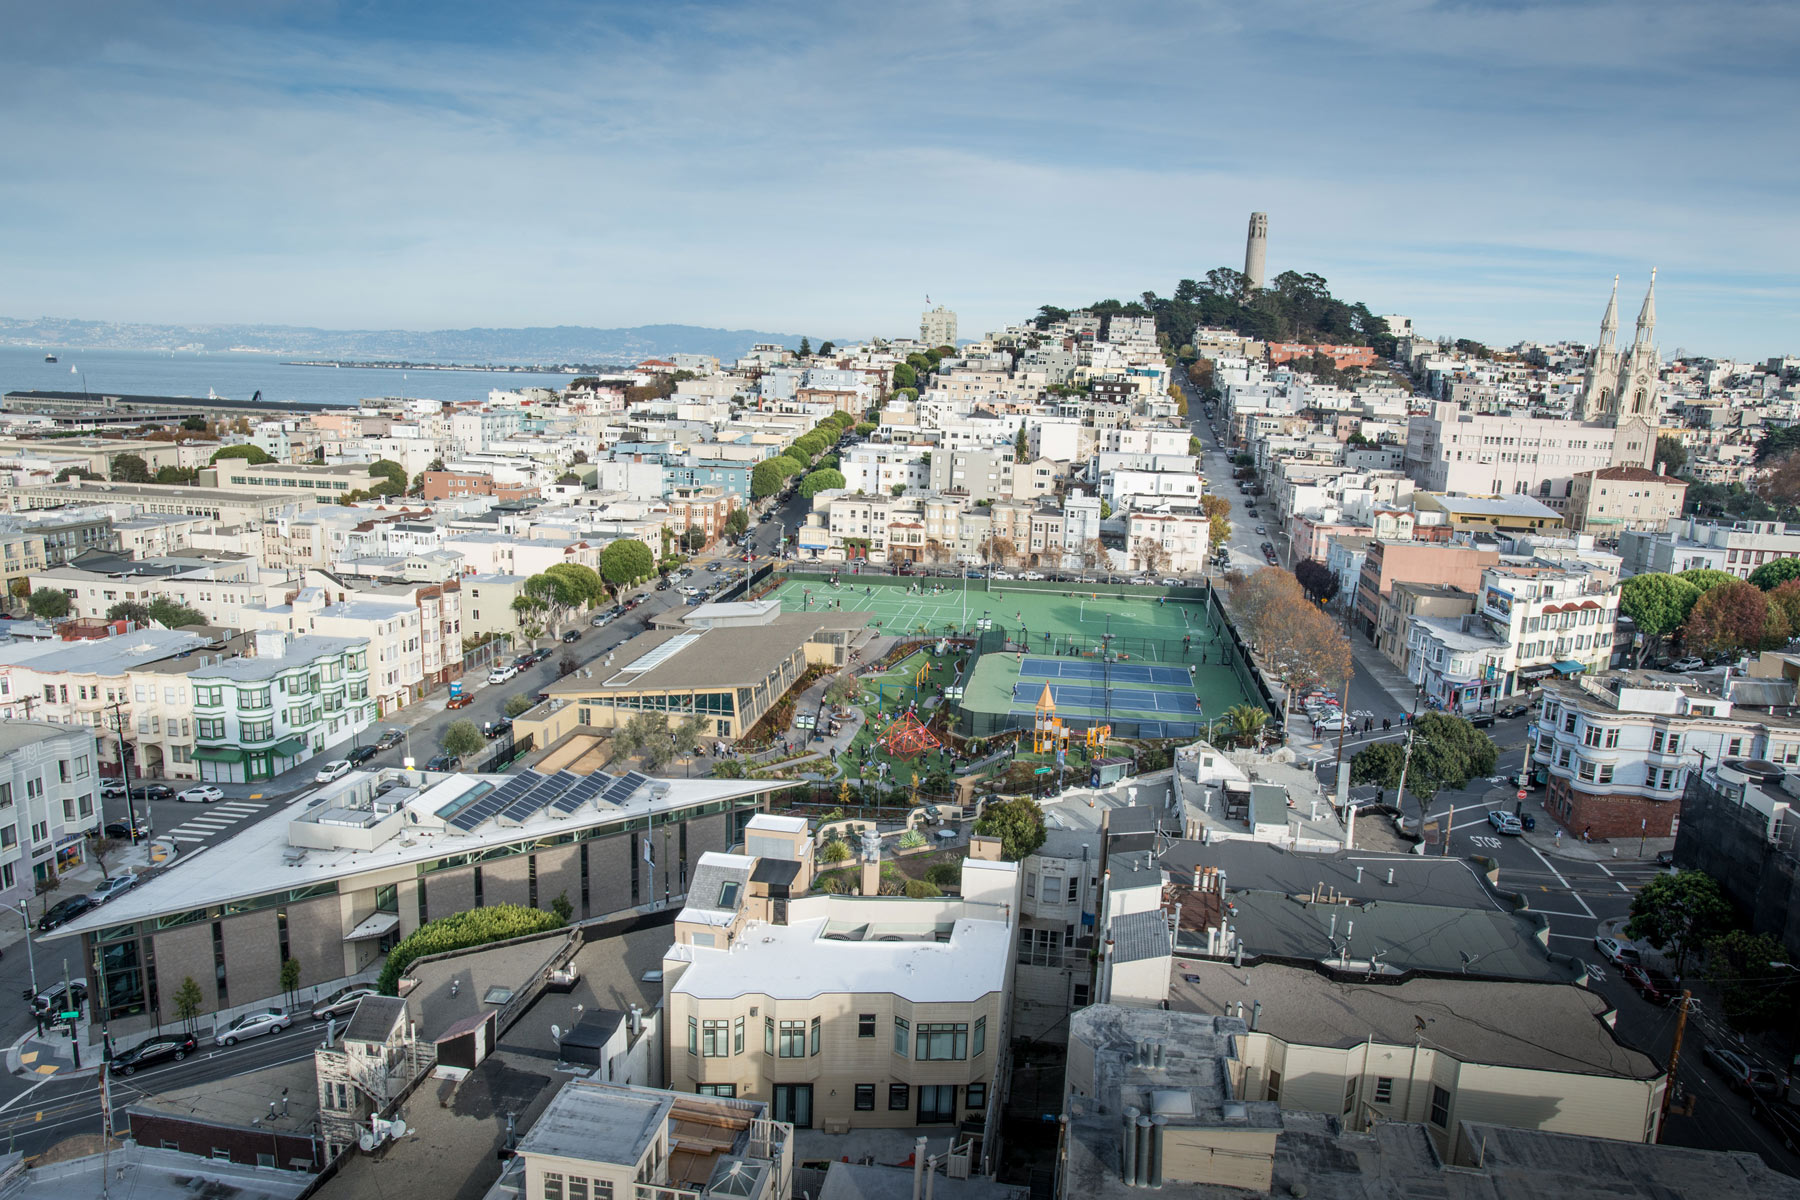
(1530, 674)
(374, 926)
(1569, 666)
(225, 754)
(289, 747)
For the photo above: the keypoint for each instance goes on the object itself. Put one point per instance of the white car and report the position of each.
(269, 1020)
(206, 793)
(1688, 664)
(1001, 575)
(117, 885)
(502, 674)
(1032, 575)
(336, 769)
(1331, 720)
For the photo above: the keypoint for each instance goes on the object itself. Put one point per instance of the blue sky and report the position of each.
(1484, 167)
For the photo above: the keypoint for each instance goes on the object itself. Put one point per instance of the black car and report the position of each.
(443, 762)
(1509, 711)
(573, 635)
(167, 1047)
(360, 755)
(153, 791)
(1481, 720)
(64, 911)
(495, 728)
(122, 829)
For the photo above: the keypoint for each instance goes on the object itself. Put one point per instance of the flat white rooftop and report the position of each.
(799, 962)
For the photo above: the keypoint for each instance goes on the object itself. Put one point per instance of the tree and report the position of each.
(1734, 617)
(134, 611)
(1677, 912)
(130, 468)
(693, 539)
(805, 348)
(561, 907)
(187, 1002)
(1379, 764)
(1018, 823)
(1316, 578)
(194, 424)
(1218, 518)
(827, 347)
(738, 523)
(256, 456)
(1671, 453)
(582, 586)
(1706, 578)
(905, 376)
(1658, 604)
(1446, 752)
(393, 472)
(290, 977)
(1772, 575)
(517, 705)
(1246, 721)
(1021, 446)
(843, 689)
(1106, 510)
(462, 739)
(567, 665)
(820, 481)
(685, 738)
(177, 475)
(68, 473)
(48, 604)
(172, 614)
(1748, 970)
(766, 477)
(625, 562)
(99, 847)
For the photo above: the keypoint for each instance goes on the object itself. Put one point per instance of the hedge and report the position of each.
(476, 927)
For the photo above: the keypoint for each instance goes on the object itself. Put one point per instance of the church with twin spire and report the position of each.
(1620, 385)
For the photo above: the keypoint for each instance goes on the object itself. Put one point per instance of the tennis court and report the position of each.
(1063, 668)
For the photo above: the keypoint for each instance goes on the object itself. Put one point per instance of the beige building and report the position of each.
(487, 604)
(226, 506)
(840, 1011)
(1604, 502)
(315, 480)
(1438, 1051)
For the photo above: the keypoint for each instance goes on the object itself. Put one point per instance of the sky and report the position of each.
(1485, 168)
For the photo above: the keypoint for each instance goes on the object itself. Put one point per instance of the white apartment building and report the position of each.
(1615, 750)
(1169, 538)
(390, 627)
(871, 1011)
(1687, 543)
(49, 803)
(873, 467)
(264, 713)
(221, 592)
(1505, 454)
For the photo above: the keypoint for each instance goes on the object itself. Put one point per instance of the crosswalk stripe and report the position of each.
(186, 837)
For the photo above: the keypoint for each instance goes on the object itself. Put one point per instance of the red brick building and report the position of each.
(1341, 356)
(460, 485)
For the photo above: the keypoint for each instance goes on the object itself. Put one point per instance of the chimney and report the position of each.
(1128, 1148)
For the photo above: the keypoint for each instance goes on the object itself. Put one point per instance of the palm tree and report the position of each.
(1246, 720)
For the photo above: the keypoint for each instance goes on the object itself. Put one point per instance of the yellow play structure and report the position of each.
(1048, 733)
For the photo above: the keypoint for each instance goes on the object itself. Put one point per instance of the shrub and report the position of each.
(918, 889)
(476, 927)
(912, 839)
(834, 852)
(945, 874)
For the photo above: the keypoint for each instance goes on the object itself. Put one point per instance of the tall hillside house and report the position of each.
(842, 1012)
(1616, 750)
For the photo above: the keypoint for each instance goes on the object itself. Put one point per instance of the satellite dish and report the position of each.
(399, 1129)
(555, 1033)
(367, 1140)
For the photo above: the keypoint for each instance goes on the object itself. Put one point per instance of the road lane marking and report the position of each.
(1559, 878)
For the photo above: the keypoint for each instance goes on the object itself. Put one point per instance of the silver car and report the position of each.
(268, 1020)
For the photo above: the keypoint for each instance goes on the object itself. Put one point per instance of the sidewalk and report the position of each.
(1544, 840)
(39, 1056)
(1390, 678)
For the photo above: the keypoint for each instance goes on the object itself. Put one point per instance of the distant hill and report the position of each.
(538, 344)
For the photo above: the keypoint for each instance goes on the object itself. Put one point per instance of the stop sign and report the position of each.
(1521, 793)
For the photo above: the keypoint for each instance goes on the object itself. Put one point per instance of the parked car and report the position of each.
(205, 793)
(1740, 1075)
(53, 998)
(1481, 720)
(462, 701)
(1262, 530)
(713, 566)
(662, 585)
(153, 791)
(495, 728)
(360, 755)
(64, 911)
(573, 635)
(1690, 663)
(1654, 985)
(443, 762)
(112, 791)
(267, 1020)
(118, 885)
(164, 1047)
(389, 739)
(342, 1002)
(122, 829)
(503, 674)
(1665, 858)
(1002, 575)
(1032, 575)
(1505, 822)
(1618, 953)
(1509, 711)
(601, 619)
(335, 769)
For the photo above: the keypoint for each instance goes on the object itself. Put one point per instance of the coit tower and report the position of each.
(1256, 248)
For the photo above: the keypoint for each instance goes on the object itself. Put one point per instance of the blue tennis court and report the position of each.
(1118, 699)
(1117, 673)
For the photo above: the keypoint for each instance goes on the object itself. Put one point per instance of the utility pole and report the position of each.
(1674, 1059)
(125, 770)
(1406, 763)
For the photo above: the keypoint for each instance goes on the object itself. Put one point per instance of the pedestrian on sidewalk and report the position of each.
(1559, 836)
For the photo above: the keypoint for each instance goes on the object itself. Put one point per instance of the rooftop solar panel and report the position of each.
(621, 789)
(580, 794)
